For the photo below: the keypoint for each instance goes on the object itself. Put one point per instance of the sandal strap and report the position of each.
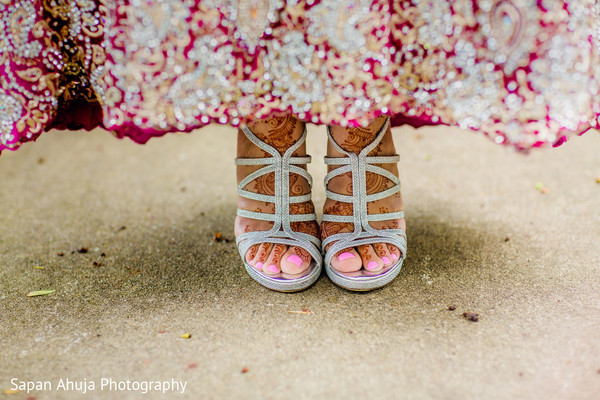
(281, 166)
(344, 240)
(359, 165)
(372, 217)
(371, 160)
(269, 160)
(266, 170)
(274, 217)
(267, 198)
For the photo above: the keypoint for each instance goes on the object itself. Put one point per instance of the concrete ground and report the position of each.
(482, 238)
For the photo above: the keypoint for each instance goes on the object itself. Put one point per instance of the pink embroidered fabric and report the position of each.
(524, 72)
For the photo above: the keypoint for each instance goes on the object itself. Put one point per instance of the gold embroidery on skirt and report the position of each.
(253, 19)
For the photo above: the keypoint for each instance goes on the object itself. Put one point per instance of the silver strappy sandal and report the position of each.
(358, 165)
(281, 232)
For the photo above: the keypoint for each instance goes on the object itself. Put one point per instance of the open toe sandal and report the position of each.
(281, 232)
(359, 165)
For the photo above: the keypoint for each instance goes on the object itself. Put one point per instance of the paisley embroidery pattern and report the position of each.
(524, 72)
(48, 49)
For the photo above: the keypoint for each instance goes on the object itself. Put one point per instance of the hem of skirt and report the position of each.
(142, 136)
(86, 116)
(78, 115)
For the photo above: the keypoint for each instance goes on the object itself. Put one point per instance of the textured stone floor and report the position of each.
(482, 238)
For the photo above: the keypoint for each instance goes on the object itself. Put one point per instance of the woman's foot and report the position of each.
(280, 133)
(371, 257)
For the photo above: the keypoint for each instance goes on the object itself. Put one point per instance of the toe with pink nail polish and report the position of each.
(372, 265)
(273, 268)
(295, 259)
(258, 265)
(345, 256)
(385, 260)
(395, 257)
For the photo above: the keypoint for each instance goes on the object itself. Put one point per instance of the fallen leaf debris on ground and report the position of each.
(218, 237)
(40, 293)
(302, 311)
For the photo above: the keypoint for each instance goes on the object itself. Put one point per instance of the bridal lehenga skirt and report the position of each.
(525, 73)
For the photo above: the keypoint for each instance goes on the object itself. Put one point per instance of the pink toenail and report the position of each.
(258, 265)
(272, 268)
(295, 259)
(395, 257)
(345, 256)
(372, 265)
(385, 260)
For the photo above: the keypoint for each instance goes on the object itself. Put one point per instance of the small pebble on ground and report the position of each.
(471, 316)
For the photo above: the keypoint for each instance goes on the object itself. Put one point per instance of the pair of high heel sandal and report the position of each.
(281, 232)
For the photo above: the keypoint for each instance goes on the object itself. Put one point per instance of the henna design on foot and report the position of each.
(303, 254)
(277, 252)
(339, 208)
(252, 252)
(376, 183)
(280, 133)
(262, 251)
(364, 252)
(379, 249)
(355, 140)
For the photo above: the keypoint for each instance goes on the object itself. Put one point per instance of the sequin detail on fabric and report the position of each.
(48, 51)
(524, 72)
